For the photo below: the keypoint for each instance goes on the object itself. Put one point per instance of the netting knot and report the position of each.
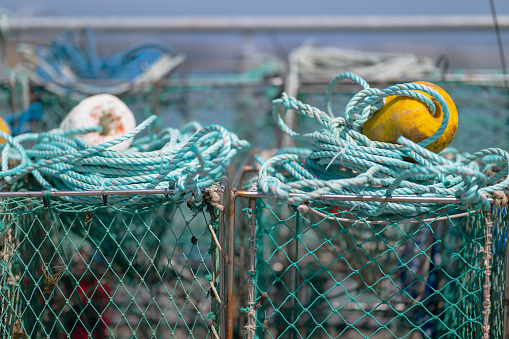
(303, 208)
(500, 198)
(215, 197)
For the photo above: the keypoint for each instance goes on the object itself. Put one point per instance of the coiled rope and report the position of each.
(344, 161)
(68, 68)
(185, 160)
(319, 62)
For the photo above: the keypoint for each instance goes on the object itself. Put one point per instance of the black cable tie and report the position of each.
(46, 199)
(105, 198)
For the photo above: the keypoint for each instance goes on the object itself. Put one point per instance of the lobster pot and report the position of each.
(73, 270)
(319, 271)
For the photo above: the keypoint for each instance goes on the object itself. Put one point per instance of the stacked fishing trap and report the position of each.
(138, 258)
(360, 238)
(340, 236)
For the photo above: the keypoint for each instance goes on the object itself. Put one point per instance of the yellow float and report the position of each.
(5, 128)
(411, 118)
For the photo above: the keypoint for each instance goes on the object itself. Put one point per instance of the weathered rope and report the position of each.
(186, 160)
(344, 161)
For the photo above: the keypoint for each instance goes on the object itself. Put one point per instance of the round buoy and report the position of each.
(5, 128)
(103, 110)
(410, 117)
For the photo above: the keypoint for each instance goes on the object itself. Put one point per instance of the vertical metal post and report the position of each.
(251, 315)
(487, 275)
(247, 50)
(295, 333)
(3, 53)
(25, 92)
(505, 334)
(230, 241)
(242, 271)
(14, 93)
(222, 263)
(291, 87)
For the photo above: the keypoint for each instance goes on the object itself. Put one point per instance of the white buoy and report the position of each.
(103, 110)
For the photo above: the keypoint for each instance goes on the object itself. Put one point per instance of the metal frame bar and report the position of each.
(376, 198)
(263, 23)
(89, 193)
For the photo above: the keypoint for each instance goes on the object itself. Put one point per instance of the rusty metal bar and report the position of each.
(88, 193)
(377, 198)
(487, 253)
(230, 242)
(505, 326)
(251, 315)
(223, 260)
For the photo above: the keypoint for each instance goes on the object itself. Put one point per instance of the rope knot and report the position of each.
(303, 208)
(500, 198)
(473, 198)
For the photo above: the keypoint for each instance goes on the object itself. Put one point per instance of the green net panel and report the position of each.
(483, 111)
(78, 271)
(319, 272)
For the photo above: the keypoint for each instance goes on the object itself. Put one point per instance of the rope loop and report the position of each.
(362, 107)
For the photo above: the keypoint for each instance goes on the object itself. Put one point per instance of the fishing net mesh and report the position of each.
(317, 271)
(88, 271)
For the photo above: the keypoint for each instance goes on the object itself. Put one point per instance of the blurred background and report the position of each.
(465, 48)
(225, 61)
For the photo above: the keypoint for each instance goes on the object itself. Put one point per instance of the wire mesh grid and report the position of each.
(316, 271)
(88, 271)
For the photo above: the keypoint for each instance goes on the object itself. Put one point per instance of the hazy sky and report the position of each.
(258, 7)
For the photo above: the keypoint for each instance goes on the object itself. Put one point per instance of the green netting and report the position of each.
(320, 272)
(78, 271)
(478, 105)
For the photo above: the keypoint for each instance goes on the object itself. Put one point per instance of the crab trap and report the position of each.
(77, 270)
(315, 270)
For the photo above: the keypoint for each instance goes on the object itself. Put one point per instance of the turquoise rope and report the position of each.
(186, 160)
(344, 161)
